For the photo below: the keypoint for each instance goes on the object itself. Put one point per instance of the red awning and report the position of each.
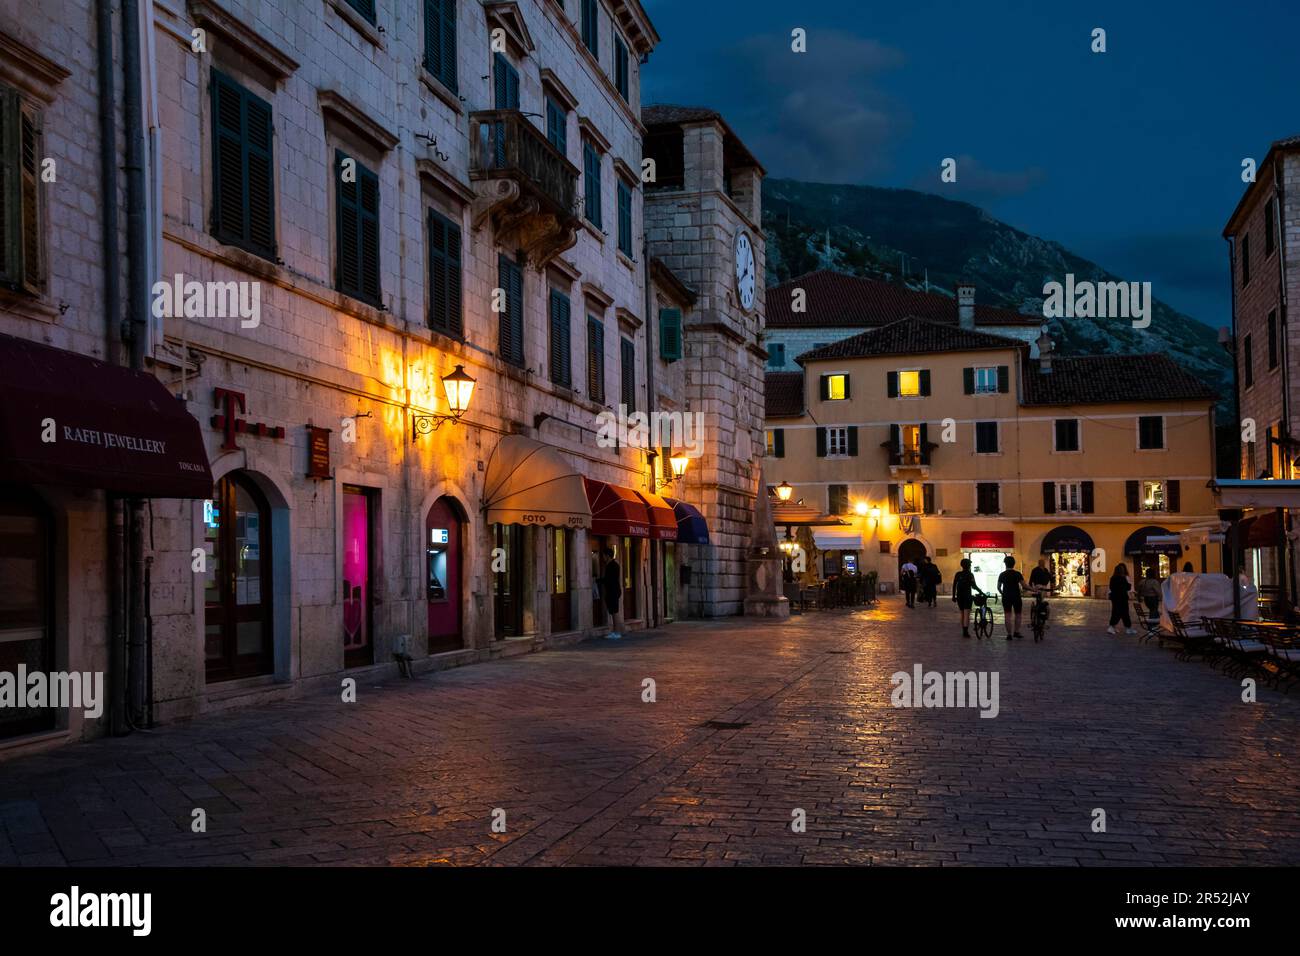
(988, 540)
(663, 520)
(617, 510)
(113, 428)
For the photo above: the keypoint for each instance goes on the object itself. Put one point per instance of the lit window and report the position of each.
(1153, 496)
(910, 453)
(909, 498)
(909, 384)
(837, 387)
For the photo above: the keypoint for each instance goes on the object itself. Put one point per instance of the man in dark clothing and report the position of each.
(963, 583)
(930, 578)
(1040, 577)
(611, 592)
(1010, 582)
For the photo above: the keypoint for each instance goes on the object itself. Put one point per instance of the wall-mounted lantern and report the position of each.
(784, 490)
(459, 388)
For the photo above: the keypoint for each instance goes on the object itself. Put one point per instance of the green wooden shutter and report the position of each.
(1004, 378)
(11, 202)
(591, 26)
(510, 319)
(670, 334)
(348, 218)
(260, 170)
(560, 359)
(968, 381)
(591, 184)
(1049, 497)
(620, 66)
(821, 442)
(440, 41)
(891, 385)
(364, 7)
(368, 240)
(627, 353)
(853, 441)
(445, 313)
(925, 381)
(1132, 494)
(229, 204)
(557, 121)
(596, 360)
(778, 442)
(625, 218)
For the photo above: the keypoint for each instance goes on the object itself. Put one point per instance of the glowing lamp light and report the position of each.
(459, 388)
(678, 463)
(875, 514)
(861, 509)
(784, 490)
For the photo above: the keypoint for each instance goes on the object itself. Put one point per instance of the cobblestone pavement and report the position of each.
(752, 721)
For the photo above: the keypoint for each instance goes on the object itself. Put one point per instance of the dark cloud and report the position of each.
(978, 184)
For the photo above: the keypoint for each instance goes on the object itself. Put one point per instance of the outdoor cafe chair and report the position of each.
(1190, 641)
(1244, 652)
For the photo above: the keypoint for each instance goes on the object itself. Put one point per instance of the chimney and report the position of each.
(966, 305)
(1045, 345)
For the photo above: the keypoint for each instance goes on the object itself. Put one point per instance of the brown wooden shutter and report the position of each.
(778, 442)
(1132, 491)
(893, 499)
(968, 381)
(1173, 496)
(853, 441)
(1049, 497)
(825, 386)
(1086, 494)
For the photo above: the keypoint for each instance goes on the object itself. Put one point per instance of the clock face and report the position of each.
(746, 274)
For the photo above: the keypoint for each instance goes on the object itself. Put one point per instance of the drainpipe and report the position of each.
(1230, 545)
(112, 352)
(655, 552)
(137, 310)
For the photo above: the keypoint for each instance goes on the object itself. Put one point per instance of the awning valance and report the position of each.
(988, 540)
(531, 484)
(691, 526)
(1232, 493)
(616, 510)
(68, 419)
(830, 540)
(1067, 538)
(663, 522)
(1152, 540)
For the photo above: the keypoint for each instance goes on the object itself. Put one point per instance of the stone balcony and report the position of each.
(523, 184)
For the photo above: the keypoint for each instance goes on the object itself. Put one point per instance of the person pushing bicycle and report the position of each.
(962, 585)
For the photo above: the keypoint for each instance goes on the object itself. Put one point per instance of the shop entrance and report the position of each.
(237, 583)
(560, 545)
(986, 566)
(26, 634)
(360, 516)
(1071, 573)
(598, 546)
(509, 543)
(909, 550)
(443, 547)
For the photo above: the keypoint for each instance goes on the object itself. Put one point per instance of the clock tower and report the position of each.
(703, 213)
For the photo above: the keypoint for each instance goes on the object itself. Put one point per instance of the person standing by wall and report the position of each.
(612, 593)
(1119, 591)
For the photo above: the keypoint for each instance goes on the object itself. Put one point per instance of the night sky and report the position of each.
(1131, 158)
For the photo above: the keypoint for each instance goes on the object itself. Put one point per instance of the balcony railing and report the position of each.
(909, 458)
(505, 145)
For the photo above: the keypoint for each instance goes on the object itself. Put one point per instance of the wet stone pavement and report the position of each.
(752, 721)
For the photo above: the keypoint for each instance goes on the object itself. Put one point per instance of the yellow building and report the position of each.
(936, 439)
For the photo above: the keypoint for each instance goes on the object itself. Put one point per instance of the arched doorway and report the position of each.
(910, 549)
(444, 544)
(237, 584)
(26, 601)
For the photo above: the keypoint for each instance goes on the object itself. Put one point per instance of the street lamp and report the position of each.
(784, 490)
(676, 462)
(459, 389)
(861, 509)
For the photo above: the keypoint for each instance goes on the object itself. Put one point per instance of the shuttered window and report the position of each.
(591, 26)
(440, 41)
(596, 359)
(1067, 434)
(511, 318)
(357, 211)
(1151, 431)
(837, 499)
(445, 313)
(620, 66)
(243, 203)
(627, 357)
(561, 365)
(986, 498)
(364, 7)
(986, 438)
(591, 184)
(670, 334)
(625, 219)
(505, 83)
(22, 230)
(557, 125)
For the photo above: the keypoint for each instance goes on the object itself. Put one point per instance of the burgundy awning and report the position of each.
(663, 522)
(113, 428)
(616, 510)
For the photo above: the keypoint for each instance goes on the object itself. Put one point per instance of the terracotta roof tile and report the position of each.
(1097, 379)
(910, 337)
(784, 394)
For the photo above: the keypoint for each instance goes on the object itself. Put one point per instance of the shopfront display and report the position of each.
(1069, 551)
(26, 626)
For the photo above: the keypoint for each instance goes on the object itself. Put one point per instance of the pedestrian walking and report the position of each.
(963, 583)
(1010, 582)
(930, 576)
(611, 593)
(1119, 591)
(1148, 590)
(907, 581)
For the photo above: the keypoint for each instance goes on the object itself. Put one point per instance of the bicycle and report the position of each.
(1039, 614)
(982, 617)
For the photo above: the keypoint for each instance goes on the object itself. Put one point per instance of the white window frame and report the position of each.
(993, 372)
(1164, 496)
(1077, 487)
(832, 431)
(1078, 434)
(903, 371)
(1164, 433)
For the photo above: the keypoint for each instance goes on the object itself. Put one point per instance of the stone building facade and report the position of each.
(350, 202)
